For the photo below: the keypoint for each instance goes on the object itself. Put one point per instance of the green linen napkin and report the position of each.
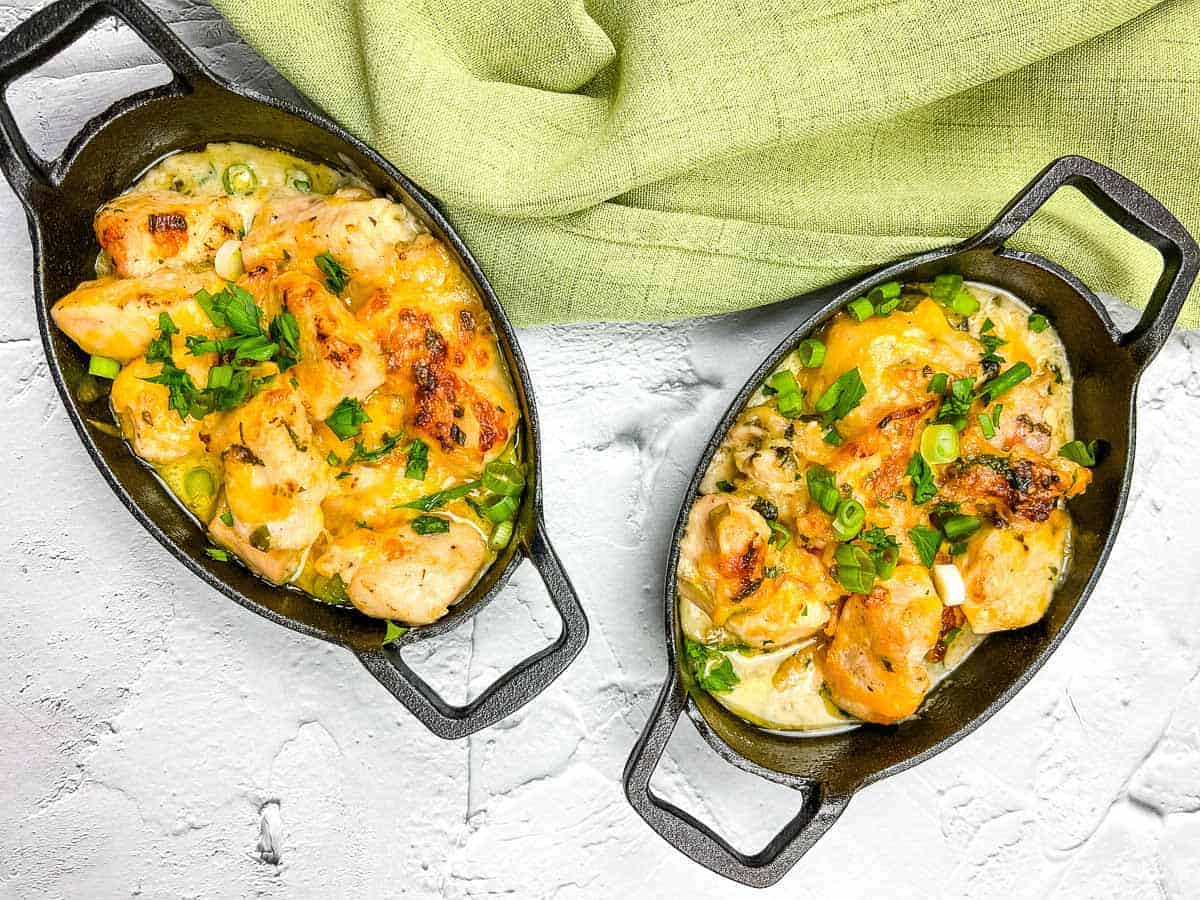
(656, 159)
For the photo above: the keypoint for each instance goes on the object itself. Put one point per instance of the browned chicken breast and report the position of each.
(310, 373)
(143, 232)
(339, 357)
(118, 317)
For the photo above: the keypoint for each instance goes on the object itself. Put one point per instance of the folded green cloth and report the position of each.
(653, 159)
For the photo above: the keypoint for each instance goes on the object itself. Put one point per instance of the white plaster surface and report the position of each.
(158, 741)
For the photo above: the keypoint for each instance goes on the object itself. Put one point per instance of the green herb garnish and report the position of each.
(335, 276)
(712, 669)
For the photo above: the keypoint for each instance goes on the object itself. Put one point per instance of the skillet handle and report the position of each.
(1138, 213)
(514, 688)
(819, 810)
(48, 32)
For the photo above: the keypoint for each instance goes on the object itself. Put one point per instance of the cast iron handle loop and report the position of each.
(686, 833)
(514, 688)
(51, 30)
(1135, 211)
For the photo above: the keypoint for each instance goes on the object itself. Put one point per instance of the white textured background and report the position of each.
(157, 740)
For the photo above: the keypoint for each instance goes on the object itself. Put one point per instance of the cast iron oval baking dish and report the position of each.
(103, 160)
(1107, 365)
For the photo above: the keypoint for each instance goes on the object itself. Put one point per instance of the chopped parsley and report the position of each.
(1080, 452)
(924, 487)
(712, 668)
(360, 453)
(926, 541)
(418, 460)
(286, 334)
(441, 498)
(347, 418)
(335, 276)
(430, 525)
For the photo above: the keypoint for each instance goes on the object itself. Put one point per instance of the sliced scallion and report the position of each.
(848, 519)
(860, 309)
(103, 367)
(239, 179)
(503, 478)
(939, 444)
(501, 536)
(811, 353)
(1006, 380)
(958, 527)
(498, 508)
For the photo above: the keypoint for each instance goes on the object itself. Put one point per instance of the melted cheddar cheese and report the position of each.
(381, 385)
(827, 522)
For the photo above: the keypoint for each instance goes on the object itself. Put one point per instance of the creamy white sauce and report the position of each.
(800, 708)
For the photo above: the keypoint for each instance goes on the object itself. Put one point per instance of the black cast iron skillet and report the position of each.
(1107, 365)
(110, 152)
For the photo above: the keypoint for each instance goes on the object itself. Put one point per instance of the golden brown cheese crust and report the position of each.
(876, 649)
(384, 317)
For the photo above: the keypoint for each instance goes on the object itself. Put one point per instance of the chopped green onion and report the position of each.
(783, 382)
(987, 426)
(299, 180)
(841, 397)
(811, 353)
(860, 309)
(945, 286)
(216, 553)
(833, 437)
(848, 519)
(855, 570)
(790, 397)
(393, 632)
(958, 527)
(441, 498)
(949, 636)
(239, 179)
(220, 376)
(780, 536)
(1079, 452)
(791, 406)
(499, 508)
(887, 307)
(939, 444)
(885, 298)
(103, 367)
(227, 518)
(822, 488)
(198, 484)
(725, 487)
(1006, 380)
(430, 525)
(501, 536)
(964, 303)
(333, 459)
(503, 478)
(1038, 323)
(885, 562)
(939, 384)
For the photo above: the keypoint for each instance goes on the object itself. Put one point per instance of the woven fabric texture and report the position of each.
(658, 159)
